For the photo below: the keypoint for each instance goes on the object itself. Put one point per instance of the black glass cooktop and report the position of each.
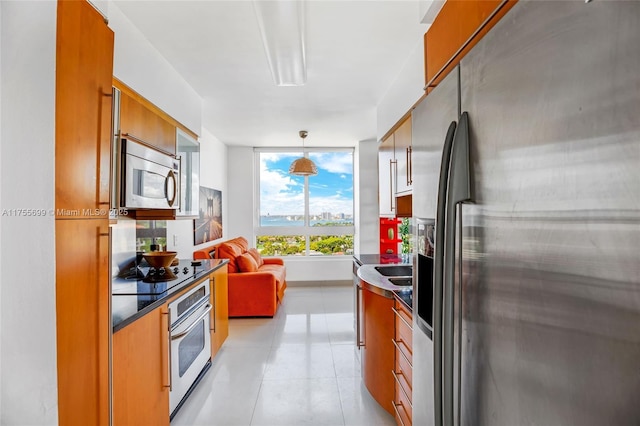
(145, 280)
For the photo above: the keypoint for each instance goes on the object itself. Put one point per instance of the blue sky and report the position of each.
(330, 190)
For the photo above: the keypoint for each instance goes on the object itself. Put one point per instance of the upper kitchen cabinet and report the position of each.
(139, 121)
(143, 121)
(147, 126)
(387, 176)
(189, 155)
(395, 170)
(402, 138)
(84, 67)
(459, 26)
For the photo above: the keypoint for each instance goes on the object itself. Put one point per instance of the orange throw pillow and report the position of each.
(247, 263)
(256, 256)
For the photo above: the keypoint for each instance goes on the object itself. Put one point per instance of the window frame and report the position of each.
(306, 230)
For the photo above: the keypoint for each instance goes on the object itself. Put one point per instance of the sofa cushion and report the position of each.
(231, 250)
(256, 255)
(246, 263)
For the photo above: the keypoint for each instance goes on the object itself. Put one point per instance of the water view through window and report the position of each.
(306, 216)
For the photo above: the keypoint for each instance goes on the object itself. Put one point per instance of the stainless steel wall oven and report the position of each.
(190, 342)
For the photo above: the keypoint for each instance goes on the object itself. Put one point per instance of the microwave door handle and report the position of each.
(171, 177)
(438, 260)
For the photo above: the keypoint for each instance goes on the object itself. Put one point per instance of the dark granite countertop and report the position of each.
(131, 299)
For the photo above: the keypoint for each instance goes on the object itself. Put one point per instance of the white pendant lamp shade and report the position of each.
(303, 166)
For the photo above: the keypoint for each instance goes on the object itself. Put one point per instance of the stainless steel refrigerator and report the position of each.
(527, 186)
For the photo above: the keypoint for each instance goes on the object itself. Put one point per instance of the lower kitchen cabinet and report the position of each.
(403, 369)
(220, 312)
(378, 356)
(141, 376)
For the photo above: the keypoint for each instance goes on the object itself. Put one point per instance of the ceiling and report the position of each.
(354, 51)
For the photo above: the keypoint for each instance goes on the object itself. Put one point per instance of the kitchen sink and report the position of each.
(400, 281)
(395, 270)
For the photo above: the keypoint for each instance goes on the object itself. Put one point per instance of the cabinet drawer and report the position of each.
(404, 371)
(403, 337)
(402, 407)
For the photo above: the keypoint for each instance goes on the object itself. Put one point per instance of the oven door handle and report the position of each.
(195, 322)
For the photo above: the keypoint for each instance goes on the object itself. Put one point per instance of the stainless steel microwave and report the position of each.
(149, 177)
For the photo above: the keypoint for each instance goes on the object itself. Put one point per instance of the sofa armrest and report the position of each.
(273, 261)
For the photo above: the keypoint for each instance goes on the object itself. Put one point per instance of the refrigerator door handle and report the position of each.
(458, 191)
(438, 265)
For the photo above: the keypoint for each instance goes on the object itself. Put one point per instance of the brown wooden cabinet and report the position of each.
(459, 26)
(141, 371)
(386, 178)
(141, 376)
(378, 356)
(403, 151)
(82, 321)
(403, 369)
(220, 313)
(395, 168)
(84, 64)
(139, 120)
(84, 67)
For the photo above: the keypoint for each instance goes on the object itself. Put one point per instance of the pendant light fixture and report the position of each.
(303, 166)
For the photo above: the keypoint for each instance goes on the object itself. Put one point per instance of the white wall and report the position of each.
(213, 174)
(366, 198)
(28, 388)
(139, 65)
(240, 200)
(406, 89)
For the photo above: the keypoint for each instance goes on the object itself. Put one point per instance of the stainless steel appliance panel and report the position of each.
(551, 273)
(430, 122)
(150, 178)
(190, 340)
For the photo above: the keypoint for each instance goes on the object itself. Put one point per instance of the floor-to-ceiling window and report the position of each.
(305, 216)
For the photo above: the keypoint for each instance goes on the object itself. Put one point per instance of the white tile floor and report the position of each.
(298, 368)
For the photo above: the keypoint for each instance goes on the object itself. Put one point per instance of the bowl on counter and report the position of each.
(160, 259)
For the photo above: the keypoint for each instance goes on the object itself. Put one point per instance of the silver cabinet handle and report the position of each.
(168, 340)
(214, 305)
(359, 340)
(395, 408)
(401, 353)
(395, 376)
(193, 325)
(392, 185)
(400, 316)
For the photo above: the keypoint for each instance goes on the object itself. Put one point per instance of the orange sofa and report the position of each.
(256, 284)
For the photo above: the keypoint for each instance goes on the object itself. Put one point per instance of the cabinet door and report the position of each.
(141, 376)
(189, 154)
(402, 138)
(456, 24)
(82, 321)
(378, 352)
(138, 119)
(220, 313)
(386, 180)
(84, 68)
